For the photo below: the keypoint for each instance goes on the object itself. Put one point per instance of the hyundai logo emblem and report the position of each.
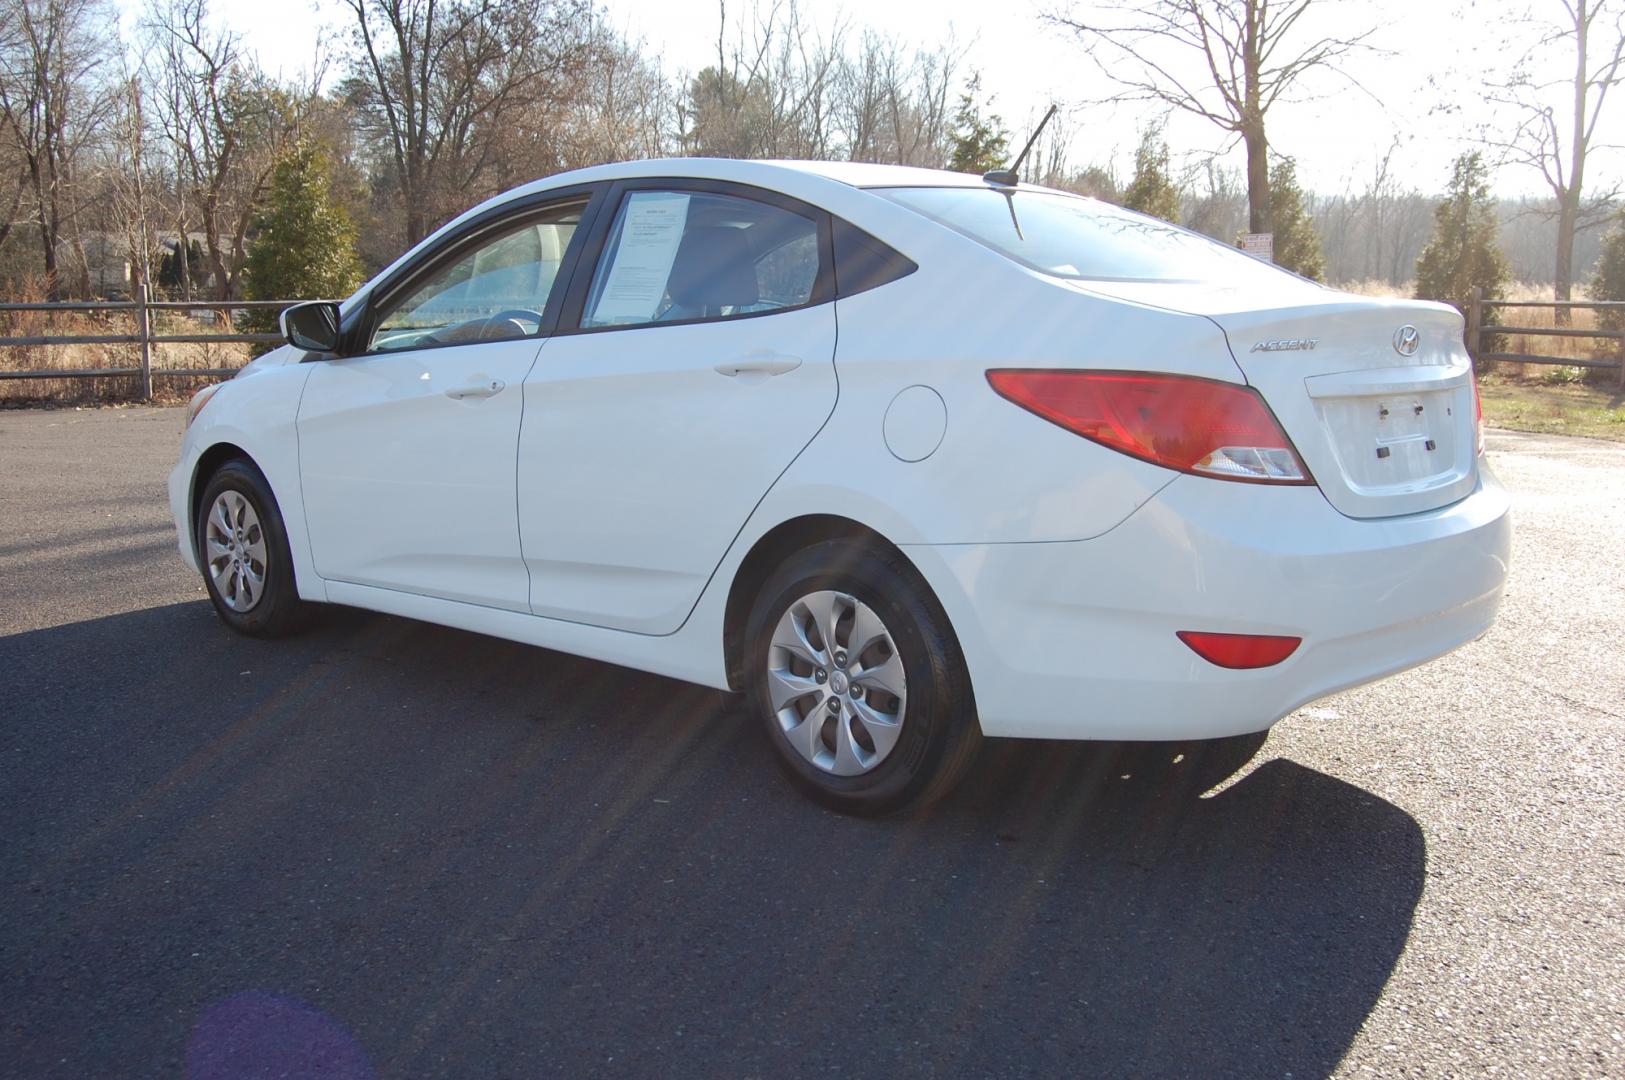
(1406, 340)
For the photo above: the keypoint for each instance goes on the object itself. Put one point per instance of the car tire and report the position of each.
(242, 549)
(848, 759)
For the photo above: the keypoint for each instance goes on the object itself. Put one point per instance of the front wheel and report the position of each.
(859, 681)
(243, 549)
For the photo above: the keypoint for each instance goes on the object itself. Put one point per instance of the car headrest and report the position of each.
(714, 267)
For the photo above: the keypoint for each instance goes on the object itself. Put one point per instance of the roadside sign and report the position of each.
(1260, 245)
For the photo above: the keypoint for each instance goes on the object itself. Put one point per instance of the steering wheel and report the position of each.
(504, 323)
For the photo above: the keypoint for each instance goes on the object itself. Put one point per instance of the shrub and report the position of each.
(1464, 252)
(1152, 191)
(979, 144)
(1297, 245)
(304, 242)
(1608, 277)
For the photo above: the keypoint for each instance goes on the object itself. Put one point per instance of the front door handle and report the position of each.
(760, 362)
(476, 390)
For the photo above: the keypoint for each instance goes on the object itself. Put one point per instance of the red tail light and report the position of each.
(1240, 650)
(1181, 422)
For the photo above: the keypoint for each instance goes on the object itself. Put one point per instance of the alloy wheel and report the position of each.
(836, 683)
(236, 552)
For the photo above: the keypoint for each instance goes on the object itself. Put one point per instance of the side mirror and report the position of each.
(313, 327)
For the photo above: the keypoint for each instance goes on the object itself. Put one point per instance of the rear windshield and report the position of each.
(1073, 237)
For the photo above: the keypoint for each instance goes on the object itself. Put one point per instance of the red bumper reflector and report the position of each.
(1240, 650)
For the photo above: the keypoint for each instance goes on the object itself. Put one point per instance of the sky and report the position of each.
(1419, 86)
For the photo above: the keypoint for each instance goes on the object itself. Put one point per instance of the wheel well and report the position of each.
(774, 546)
(211, 459)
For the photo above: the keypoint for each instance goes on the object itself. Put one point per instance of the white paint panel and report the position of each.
(408, 486)
(639, 461)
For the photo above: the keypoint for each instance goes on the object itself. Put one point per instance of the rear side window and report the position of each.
(1073, 237)
(863, 263)
(682, 256)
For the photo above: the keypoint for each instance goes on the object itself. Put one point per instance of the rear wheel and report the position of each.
(858, 680)
(243, 549)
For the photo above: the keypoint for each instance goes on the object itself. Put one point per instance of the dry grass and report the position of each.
(1546, 398)
(22, 392)
(1378, 287)
(1579, 398)
(1532, 344)
(1553, 408)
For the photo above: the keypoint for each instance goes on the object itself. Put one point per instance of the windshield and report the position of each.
(1073, 237)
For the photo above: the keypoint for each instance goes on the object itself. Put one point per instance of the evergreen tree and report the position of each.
(726, 117)
(1297, 245)
(1152, 191)
(1094, 181)
(1464, 252)
(978, 145)
(169, 266)
(303, 241)
(1608, 278)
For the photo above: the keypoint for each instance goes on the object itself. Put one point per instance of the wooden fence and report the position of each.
(142, 334)
(141, 309)
(1477, 329)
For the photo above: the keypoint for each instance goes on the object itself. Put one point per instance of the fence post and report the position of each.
(1619, 357)
(143, 320)
(1475, 323)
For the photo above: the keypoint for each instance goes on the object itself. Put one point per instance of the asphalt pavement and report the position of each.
(386, 849)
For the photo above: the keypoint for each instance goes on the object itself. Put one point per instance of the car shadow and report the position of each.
(470, 857)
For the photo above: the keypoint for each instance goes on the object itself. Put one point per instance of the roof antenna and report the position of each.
(1012, 175)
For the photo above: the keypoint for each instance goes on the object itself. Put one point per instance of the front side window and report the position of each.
(494, 291)
(1073, 237)
(675, 256)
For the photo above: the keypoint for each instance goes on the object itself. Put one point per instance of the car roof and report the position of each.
(761, 173)
(832, 184)
(865, 174)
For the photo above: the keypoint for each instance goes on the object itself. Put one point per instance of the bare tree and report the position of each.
(1374, 232)
(780, 88)
(437, 81)
(1228, 62)
(1216, 202)
(772, 92)
(52, 99)
(1557, 139)
(225, 122)
(622, 107)
(918, 106)
(14, 177)
(1529, 236)
(131, 180)
(859, 106)
(790, 69)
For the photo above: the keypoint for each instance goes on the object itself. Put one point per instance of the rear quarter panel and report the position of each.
(999, 474)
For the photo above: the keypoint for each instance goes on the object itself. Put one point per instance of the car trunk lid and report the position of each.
(1377, 395)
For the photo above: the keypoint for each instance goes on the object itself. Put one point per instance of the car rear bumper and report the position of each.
(1077, 640)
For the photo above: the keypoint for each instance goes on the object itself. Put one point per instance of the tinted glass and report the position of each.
(495, 291)
(676, 256)
(863, 263)
(1070, 236)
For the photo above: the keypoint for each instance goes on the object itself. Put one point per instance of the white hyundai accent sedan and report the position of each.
(907, 457)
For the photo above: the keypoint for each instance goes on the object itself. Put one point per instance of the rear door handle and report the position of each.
(476, 390)
(759, 363)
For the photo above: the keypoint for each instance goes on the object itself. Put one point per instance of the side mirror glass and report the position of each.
(313, 327)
